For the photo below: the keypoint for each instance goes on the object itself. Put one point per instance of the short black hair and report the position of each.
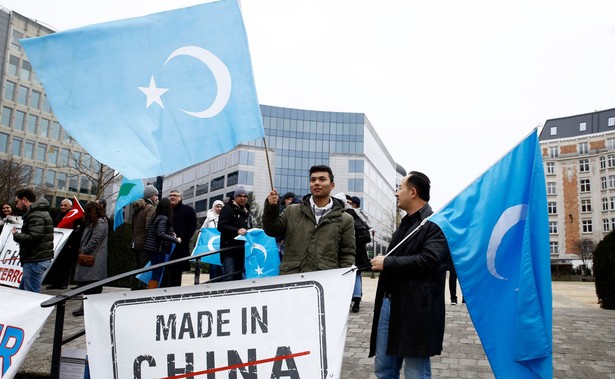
(322, 168)
(27, 193)
(421, 182)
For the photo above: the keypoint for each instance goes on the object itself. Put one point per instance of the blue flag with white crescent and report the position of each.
(209, 240)
(498, 233)
(130, 190)
(262, 256)
(163, 91)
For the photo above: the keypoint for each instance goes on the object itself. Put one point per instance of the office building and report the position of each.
(579, 157)
(297, 139)
(30, 135)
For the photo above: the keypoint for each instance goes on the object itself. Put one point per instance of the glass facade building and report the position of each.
(29, 132)
(297, 139)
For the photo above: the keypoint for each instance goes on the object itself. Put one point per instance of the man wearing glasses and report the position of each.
(35, 239)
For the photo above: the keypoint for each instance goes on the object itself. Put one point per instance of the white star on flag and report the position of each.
(259, 270)
(153, 93)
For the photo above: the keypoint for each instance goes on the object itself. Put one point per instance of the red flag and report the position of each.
(75, 213)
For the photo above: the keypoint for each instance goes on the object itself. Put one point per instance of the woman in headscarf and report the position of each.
(211, 221)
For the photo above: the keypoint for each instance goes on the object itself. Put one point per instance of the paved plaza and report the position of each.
(583, 338)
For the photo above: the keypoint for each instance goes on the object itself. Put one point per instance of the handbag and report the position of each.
(86, 260)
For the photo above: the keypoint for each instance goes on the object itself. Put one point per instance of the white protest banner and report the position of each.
(21, 319)
(291, 326)
(10, 268)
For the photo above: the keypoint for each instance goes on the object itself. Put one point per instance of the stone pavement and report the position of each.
(583, 338)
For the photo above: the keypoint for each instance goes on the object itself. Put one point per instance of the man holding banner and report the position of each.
(408, 324)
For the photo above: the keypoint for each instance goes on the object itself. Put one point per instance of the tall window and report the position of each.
(41, 152)
(584, 165)
(586, 226)
(552, 207)
(602, 163)
(7, 114)
(16, 146)
(553, 151)
(582, 126)
(585, 187)
(586, 205)
(606, 225)
(550, 168)
(610, 160)
(611, 181)
(583, 148)
(552, 227)
(611, 121)
(551, 188)
(612, 203)
(553, 247)
(605, 204)
(9, 90)
(603, 184)
(610, 143)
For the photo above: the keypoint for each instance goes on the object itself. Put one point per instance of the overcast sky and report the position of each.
(450, 86)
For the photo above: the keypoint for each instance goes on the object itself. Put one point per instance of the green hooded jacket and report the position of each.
(309, 246)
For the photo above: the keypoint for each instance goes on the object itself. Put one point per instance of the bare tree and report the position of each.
(585, 251)
(13, 176)
(99, 175)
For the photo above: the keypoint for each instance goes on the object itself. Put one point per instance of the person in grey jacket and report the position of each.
(319, 234)
(35, 239)
(93, 242)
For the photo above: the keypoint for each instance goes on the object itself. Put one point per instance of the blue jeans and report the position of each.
(33, 274)
(358, 286)
(388, 366)
(233, 265)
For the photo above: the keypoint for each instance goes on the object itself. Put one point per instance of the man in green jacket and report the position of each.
(35, 239)
(319, 234)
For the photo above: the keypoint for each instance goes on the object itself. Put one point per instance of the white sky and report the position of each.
(450, 86)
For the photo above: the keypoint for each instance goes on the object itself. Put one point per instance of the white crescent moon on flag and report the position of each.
(261, 248)
(509, 218)
(220, 73)
(210, 243)
(71, 213)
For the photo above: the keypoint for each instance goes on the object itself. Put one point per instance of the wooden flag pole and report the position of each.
(268, 163)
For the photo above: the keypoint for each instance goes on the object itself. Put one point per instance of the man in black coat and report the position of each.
(235, 219)
(408, 324)
(184, 226)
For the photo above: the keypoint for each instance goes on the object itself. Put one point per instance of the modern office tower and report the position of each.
(579, 158)
(30, 135)
(297, 139)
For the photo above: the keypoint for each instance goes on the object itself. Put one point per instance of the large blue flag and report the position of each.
(209, 240)
(130, 190)
(498, 234)
(153, 94)
(262, 257)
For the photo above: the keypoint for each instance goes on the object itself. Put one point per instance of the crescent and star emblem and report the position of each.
(210, 243)
(219, 70)
(509, 218)
(71, 213)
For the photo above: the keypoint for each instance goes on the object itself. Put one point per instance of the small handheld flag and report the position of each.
(74, 214)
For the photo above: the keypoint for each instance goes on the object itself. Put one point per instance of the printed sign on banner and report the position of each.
(264, 328)
(10, 268)
(21, 320)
